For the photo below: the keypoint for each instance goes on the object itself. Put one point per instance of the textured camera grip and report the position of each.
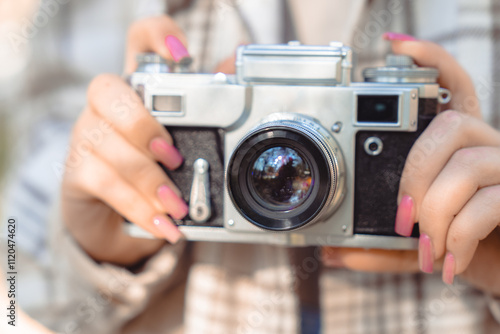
(377, 177)
(205, 143)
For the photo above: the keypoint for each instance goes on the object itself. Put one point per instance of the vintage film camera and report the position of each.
(288, 151)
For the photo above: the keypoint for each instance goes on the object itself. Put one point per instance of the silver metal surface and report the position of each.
(400, 69)
(218, 234)
(151, 63)
(393, 60)
(407, 108)
(337, 127)
(425, 90)
(294, 64)
(149, 58)
(154, 63)
(199, 200)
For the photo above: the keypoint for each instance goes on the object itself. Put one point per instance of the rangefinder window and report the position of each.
(378, 109)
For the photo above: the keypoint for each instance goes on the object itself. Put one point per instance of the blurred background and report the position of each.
(3, 144)
(12, 64)
(50, 50)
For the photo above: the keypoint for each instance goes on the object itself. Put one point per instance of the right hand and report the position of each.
(112, 171)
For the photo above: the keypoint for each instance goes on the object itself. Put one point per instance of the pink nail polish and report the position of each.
(449, 268)
(175, 205)
(166, 153)
(167, 228)
(404, 217)
(176, 48)
(425, 254)
(394, 36)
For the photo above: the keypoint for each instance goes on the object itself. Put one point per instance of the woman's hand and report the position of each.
(112, 171)
(450, 185)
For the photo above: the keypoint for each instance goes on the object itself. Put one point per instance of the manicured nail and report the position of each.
(404, 217)
(449, 268)
(176, 48)
(394, 36)
(168, 229)
(166, 153)
(176, 207)
(425, 254)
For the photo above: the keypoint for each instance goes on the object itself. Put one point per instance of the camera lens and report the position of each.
(281, 177)
(285, 174)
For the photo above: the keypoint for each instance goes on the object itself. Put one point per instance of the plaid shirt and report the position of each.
(235, 288)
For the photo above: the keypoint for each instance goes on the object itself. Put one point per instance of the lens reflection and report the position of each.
(280, 176)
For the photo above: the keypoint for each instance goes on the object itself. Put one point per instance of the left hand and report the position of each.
(454, 192)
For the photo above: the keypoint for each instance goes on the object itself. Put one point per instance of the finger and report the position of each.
(480, 273)
(448, 132)
(148, 35)
(105, 239)
(117, 104)
(467, 171)
(477, 219)
(140, 171)
(371, 260)
(97, 179)
(451, 74)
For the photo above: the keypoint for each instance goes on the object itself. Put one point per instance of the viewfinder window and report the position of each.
(378, 109)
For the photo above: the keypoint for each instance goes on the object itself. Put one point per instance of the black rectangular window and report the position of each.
(378, 108)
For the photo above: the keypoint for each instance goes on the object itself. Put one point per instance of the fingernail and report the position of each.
(425, 254)
(449, 268)
(166, 153)
(332, 258)
(176, 48)
(404, 217)
(176, 207)
(394, 36)
(168, 229)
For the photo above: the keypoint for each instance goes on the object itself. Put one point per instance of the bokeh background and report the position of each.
(11, 65)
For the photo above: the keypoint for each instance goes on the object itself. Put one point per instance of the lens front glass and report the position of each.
(281, 178)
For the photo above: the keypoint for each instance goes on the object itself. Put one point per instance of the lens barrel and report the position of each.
(285, 174)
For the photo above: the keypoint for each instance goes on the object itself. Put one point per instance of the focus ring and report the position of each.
(315, 145)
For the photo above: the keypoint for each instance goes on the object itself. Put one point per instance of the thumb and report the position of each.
(374, 260)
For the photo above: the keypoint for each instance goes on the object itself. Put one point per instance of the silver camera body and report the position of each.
(288, 150)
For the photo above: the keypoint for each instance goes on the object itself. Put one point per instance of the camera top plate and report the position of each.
(294, 64)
